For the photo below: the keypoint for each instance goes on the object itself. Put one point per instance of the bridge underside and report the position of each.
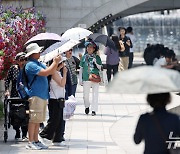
(118, 9)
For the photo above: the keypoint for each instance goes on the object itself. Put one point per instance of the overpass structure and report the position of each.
(94, 14)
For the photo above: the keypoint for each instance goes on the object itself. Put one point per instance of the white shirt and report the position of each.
(160, 62)
(56, 91)
(133, 40)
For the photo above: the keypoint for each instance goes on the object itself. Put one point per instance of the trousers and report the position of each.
(86, 91)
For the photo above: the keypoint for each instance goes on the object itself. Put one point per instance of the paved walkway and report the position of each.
(109, 132)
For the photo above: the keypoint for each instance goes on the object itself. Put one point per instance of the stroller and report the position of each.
(15, 113)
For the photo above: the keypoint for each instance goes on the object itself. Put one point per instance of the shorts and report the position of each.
(37, 109)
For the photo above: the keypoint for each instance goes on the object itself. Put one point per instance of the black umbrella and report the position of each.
(104, 39)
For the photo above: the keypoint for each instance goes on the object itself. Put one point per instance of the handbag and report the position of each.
(160, 130)
(94, 78)
(70, 106)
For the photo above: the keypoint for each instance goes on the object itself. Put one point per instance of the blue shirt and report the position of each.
(39, 87)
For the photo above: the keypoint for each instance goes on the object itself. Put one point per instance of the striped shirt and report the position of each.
(71, 65)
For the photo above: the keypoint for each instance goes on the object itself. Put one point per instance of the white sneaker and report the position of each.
(62, 144)
(33, 146)
(24, 139)
(40, 144)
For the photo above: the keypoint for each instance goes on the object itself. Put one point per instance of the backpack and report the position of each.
(23, 86)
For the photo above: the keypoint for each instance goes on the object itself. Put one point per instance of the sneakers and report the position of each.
(33, 146)
(36, 146)
(40, 144)
(62, 144)
(87, 110)
(24, 138)
(93, 113)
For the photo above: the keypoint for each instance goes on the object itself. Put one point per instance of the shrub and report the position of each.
(16, 27)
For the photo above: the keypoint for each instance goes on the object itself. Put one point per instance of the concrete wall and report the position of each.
(18, 3)
(64, 14)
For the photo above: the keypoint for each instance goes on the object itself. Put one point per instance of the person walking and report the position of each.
(130, 34)
(12, 78)
(72, 63)
(54, 128)
(90, 66)
(39, 92)
(112, 58)
(124, 52)
(155, 127)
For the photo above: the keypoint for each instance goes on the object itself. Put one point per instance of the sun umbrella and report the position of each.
(76, 33)
(146, 80)
(104, 39)
(44, 39)
(56, 49)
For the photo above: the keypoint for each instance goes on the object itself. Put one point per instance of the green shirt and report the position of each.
(88, 65)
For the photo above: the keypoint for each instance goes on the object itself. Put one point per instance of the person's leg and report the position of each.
(109, 72)
(24, 130)
(115, 69)
(60, 128)
(131, 56)
(37, 115)
(126, 63)
(121, 64)
(74, 89)
(86, 91)
(95, 92)
(17, 129)
(31, 131)
(49, 130)
(36, 132)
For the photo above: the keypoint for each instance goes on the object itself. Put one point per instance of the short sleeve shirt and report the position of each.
(39, 87)
(88, 66)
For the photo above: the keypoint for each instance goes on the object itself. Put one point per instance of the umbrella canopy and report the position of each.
(44, 39)
(56, 49)
(76, 33)
(104, 39)
(145, 80)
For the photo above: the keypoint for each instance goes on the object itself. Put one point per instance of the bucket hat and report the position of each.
(20, 56)
(33, 48)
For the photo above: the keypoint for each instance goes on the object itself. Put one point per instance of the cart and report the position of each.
(9, 105)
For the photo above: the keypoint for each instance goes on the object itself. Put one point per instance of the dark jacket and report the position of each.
(126, 52)
(148, 130)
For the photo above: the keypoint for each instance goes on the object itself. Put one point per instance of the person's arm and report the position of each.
(80, 75)
(51, 69)
(97, 62)
(77, 61)
(61, 81)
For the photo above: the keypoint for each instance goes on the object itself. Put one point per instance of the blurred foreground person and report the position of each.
(155, 127)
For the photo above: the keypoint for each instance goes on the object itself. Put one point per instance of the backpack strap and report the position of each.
(26, 77)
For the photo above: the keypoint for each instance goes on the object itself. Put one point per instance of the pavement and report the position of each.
(109, 132)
